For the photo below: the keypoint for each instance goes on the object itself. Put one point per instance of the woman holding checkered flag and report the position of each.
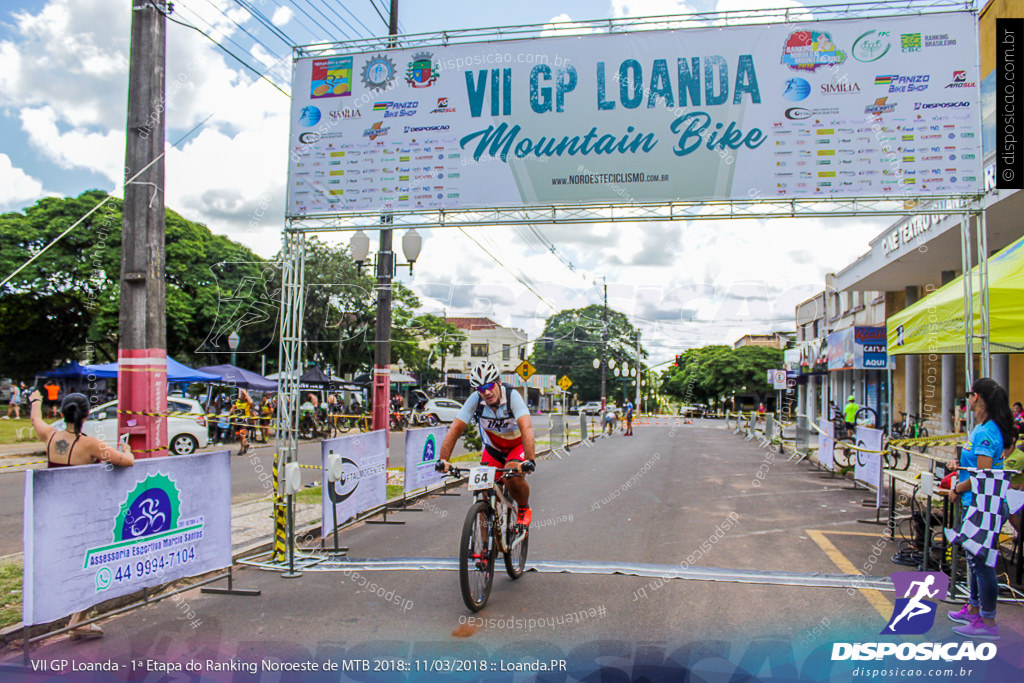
(982, 490)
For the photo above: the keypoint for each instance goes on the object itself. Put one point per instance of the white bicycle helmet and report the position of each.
(484, 373)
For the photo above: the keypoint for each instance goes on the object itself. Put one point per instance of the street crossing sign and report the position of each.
(565, 382)
(525, 370)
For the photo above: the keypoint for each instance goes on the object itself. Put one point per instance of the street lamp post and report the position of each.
(360, 248)
(233, 340)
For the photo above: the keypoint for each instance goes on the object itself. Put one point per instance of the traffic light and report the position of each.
(677, 361)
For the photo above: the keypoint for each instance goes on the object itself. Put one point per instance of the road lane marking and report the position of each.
(874, 597)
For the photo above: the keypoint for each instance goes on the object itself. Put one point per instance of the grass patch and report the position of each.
(10, 594)
(17, 431)
(313, 494)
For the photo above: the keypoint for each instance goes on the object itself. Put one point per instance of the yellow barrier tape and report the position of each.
(23, 464)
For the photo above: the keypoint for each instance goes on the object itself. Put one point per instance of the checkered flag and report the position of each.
(979, 533)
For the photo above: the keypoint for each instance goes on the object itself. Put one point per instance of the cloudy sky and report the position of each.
(63, 85)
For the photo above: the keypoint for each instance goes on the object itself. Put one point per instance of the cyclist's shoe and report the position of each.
(525, 516)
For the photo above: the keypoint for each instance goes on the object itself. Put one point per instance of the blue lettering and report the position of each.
(475, 92)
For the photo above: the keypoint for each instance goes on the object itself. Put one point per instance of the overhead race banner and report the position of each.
(364, 482)
(92, 534)
(422, 450)
(864, 107)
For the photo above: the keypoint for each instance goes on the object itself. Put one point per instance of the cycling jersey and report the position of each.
(499, 426)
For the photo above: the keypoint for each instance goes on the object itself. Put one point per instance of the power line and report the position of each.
(358, 20)
(317, 10)
(227, 51)
(261, 18)
(377, 10)
(244, 29)
(213, 28)
(498, 261)
(335, 13)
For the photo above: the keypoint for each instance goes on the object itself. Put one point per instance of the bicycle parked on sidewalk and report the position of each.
(914, 429)
(490, 528)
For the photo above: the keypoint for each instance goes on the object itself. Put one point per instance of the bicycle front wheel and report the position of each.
(515, 560)
(922, 433)
(476, 556)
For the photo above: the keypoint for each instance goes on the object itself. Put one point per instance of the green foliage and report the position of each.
(575, 341)
(66, 304)
(434, 338)
(709, 372)
(471, 439)
(10, 590)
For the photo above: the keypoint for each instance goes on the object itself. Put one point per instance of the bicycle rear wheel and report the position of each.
(515, 561)
(842, 451)
(922, 432)
(476, 556)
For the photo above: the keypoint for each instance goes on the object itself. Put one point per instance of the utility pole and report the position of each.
(385, 272)
(142, 352)
(639, 374)
(604, 353)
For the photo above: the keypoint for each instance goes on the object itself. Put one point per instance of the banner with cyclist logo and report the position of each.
(93, 533)
(422, 450)
(364, 476)
(868, 469)
(826, 443)
(852, 107)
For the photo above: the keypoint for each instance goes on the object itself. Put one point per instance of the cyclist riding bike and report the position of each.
(503, 421)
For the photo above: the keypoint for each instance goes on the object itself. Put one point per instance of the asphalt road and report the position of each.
(692, 496)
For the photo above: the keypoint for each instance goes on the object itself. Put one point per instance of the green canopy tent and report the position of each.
(935, 324)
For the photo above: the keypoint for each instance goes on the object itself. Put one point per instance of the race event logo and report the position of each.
(442, 107)
(914, 613)
(378, 72)
(796, 89)
(879, 107)
(331, 77)
(960, 81)
(394, 110)
(421, 71)
(871, 46)
(309, 116)
(807, 50)
(910, 42)
(375, 131)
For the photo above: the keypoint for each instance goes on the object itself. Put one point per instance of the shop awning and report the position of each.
(935, 324)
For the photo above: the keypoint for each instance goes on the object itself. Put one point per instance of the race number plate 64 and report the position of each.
(481, 478)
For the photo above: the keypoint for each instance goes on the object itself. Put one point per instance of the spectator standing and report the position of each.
(52, 390)
(15, 403)
(1018, 418)
(70, 446)
(985, 449)
(242, 413)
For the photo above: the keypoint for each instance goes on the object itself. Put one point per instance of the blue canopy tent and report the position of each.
(176, 372)
(237, 377)
(72, 369)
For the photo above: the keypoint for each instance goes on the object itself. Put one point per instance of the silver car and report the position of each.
(188, 433)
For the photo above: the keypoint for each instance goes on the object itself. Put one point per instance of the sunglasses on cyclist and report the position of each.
(486, 387)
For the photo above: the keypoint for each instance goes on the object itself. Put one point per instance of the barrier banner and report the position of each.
(851, 107)
(364, 481)
(583, 427)
(557, 430)
(869, 465)
(826, 442)
(422, 450)
(92, 533)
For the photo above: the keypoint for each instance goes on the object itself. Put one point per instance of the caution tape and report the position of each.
(938, 440)
(280, 522)
(23, 464)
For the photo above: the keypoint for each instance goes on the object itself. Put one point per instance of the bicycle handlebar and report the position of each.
(527, 467)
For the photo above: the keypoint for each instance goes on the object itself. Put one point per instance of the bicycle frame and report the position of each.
(499, 500)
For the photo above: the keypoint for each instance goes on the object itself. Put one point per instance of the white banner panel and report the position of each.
(826, 444)
(859, 107)
(422, 450)
(364, 482)
(92, 533)
(869, 465)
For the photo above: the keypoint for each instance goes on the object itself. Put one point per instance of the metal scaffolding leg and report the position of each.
(290, 351)
(983, 332)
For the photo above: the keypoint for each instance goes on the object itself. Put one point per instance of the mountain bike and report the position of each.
(490, 528)
(913, 429)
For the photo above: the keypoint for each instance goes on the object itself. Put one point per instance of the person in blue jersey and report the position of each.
(503, 420)
(986, 448)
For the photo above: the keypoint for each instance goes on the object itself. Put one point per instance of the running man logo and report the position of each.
(914, 613)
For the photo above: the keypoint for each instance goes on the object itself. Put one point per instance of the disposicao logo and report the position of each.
(914, 615)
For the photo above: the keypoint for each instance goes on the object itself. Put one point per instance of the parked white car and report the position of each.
(188, 434)
(444, 408)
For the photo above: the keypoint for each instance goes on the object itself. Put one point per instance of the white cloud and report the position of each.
(17, 188)
(282, 15)
(100, 151)
(566, 27)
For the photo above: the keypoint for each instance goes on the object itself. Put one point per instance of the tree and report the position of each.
(709, 372)
(68, 299)
(441, 339)
(571, 341)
